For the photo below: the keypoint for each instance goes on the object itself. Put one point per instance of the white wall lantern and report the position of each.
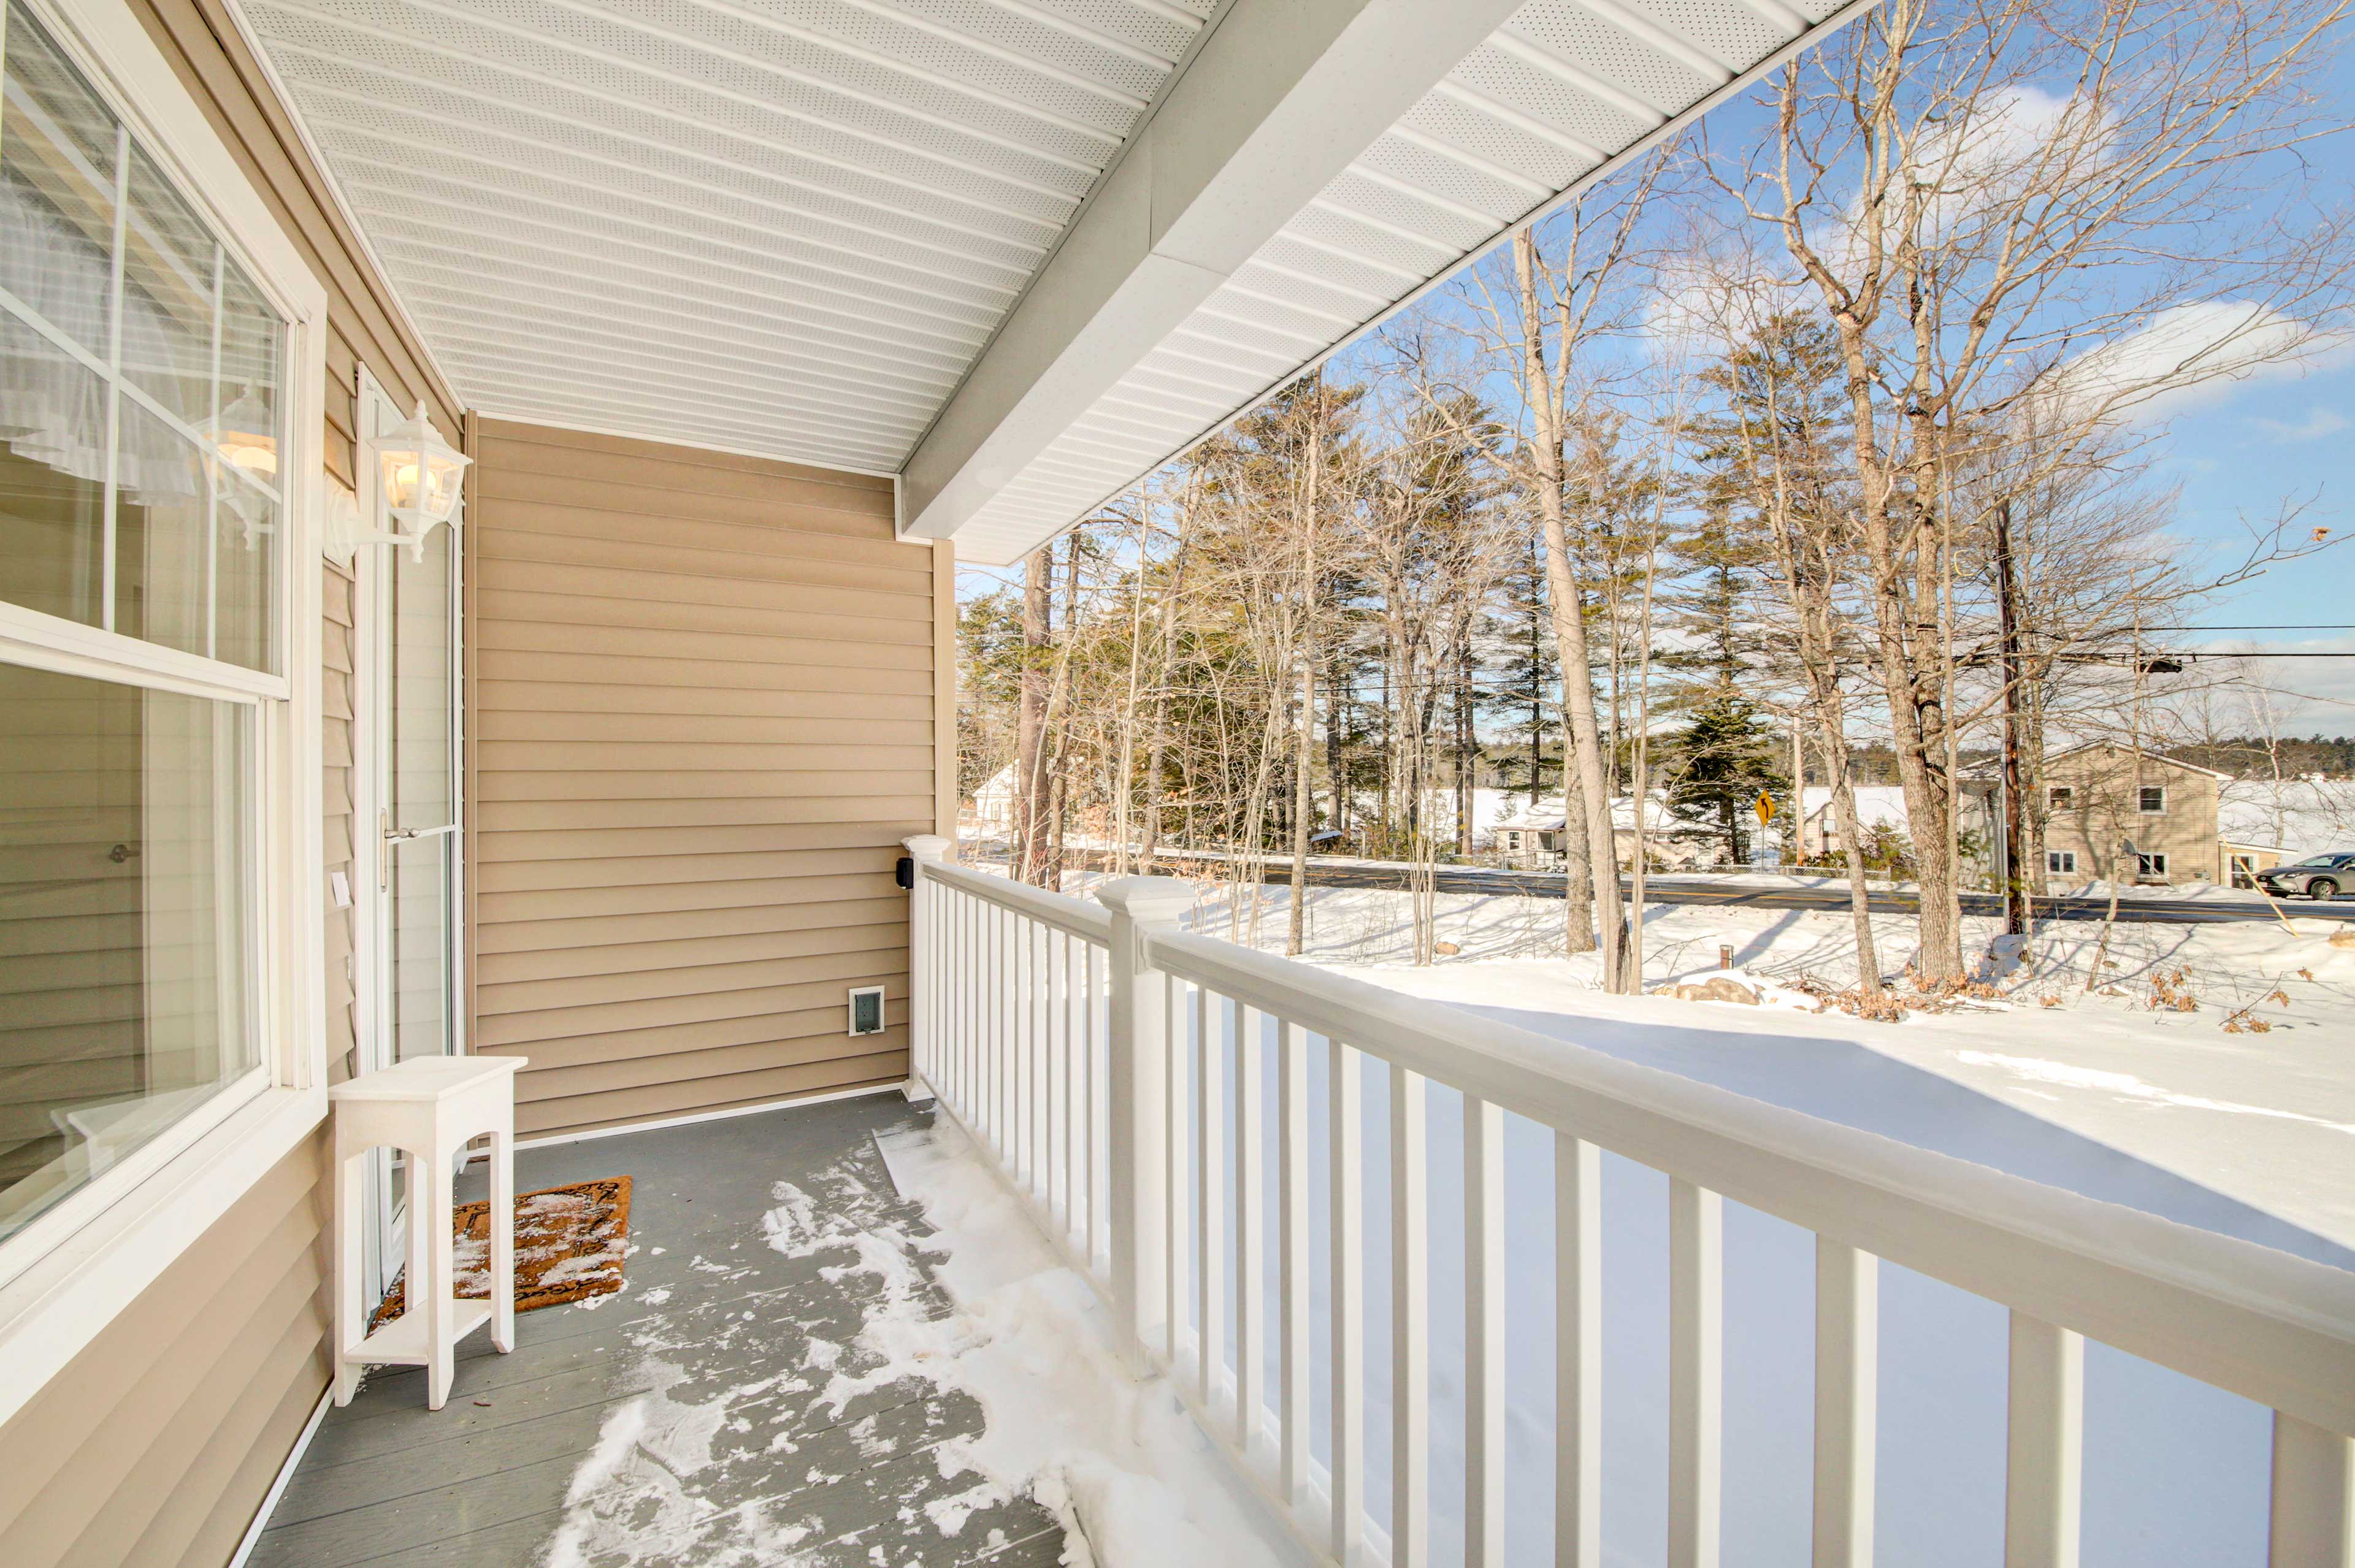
(418, 476)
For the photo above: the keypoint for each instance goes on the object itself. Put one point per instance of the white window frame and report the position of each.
(2060, 798)
(2061, 862)
(2150, 863)
(68, 1273)
(2142, 810)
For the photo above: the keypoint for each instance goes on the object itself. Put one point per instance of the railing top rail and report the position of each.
(1080, 917)
(2265, 1324)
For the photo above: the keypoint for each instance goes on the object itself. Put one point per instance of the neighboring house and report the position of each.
(991, 811)
(2107, 813)
(1877, 806)
(1534, 837)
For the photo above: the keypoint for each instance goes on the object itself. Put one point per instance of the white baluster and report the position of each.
(1484, 1333)
(1577, 1352)
(1176, 995)
(1251, 1231)
(1209, 1196)
(1349, 1204)
(1696, 1382)
(2044, 1470)
(1292, 1268)
(1847, 1357)
(2313, 1497)
(1409, 1323)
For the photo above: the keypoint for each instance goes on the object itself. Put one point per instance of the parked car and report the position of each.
(2316, 876)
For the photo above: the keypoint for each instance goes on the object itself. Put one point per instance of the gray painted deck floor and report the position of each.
(704, 1378)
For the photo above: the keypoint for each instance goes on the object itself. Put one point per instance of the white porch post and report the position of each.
(925, 848)
(1137, 1145)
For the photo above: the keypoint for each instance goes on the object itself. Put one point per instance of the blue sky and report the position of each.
(2242, 450)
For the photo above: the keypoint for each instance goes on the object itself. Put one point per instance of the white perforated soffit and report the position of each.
(788, 227)
(1542, 106)
(779, 227)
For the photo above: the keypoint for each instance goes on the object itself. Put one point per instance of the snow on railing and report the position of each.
(1106, 1060)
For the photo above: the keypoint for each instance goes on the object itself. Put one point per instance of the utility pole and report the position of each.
(2015, 836)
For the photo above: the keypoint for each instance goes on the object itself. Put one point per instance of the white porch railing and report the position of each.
(1057, 1030)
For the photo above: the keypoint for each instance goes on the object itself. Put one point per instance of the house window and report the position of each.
(2061, 862)
(2151, 799)
(140, 371)
(2060, 797)
(2150, 865)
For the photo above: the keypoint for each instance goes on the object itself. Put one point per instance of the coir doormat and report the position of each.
(569, 1242)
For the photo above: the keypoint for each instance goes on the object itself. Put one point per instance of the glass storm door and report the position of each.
(417, 783)
(410, 756)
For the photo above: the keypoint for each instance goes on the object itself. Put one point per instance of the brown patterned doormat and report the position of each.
(569, 1243)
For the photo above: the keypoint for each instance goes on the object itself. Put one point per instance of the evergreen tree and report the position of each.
(1519, 637)
(1725, 757)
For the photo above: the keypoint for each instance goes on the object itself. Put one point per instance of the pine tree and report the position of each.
(1725, 758)
(1520, 637)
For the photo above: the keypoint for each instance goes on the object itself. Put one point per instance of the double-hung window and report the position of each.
(145, 406)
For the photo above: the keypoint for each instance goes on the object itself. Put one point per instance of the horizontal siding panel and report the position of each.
(525, 535)
(655, 674)
(553, 700)
(771, 588)
(822, 929)
(621, 1107)
(551, 785)
(696, 1066)
(621, 612)
(525, 433)
(624, 756)
(593, 640)
(625, 843)
(669, 870)
(749, 810)
(828, 978)
(496, 909)
(702, 728)
(686, 471)
(705, 973)
(580, 490)
(644, 535)
(543, 947)
(552, 922)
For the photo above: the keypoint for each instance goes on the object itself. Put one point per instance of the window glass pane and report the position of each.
(418, 718)
(52, 476)
(167, 296)
(125, 982)
(247, 425)
(418, 945)
(245, 564)
(163, 538)
(56, 188)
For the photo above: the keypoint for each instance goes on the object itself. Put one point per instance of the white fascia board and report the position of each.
(1275, 103)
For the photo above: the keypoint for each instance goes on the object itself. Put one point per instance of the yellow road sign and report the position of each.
(1764, 806)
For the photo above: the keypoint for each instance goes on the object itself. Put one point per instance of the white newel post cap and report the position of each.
(926, 846)
(1149, 900)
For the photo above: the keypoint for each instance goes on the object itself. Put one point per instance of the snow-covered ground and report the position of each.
(2263, 1117)
(2248, 1134)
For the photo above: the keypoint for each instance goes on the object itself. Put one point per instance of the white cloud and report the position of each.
(2318, 422)
(2185, 356)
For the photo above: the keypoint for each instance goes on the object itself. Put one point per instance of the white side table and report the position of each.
(429, 1108)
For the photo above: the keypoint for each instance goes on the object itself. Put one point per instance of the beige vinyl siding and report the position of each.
(705, 691)
(155, 1444)
(336, 648)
